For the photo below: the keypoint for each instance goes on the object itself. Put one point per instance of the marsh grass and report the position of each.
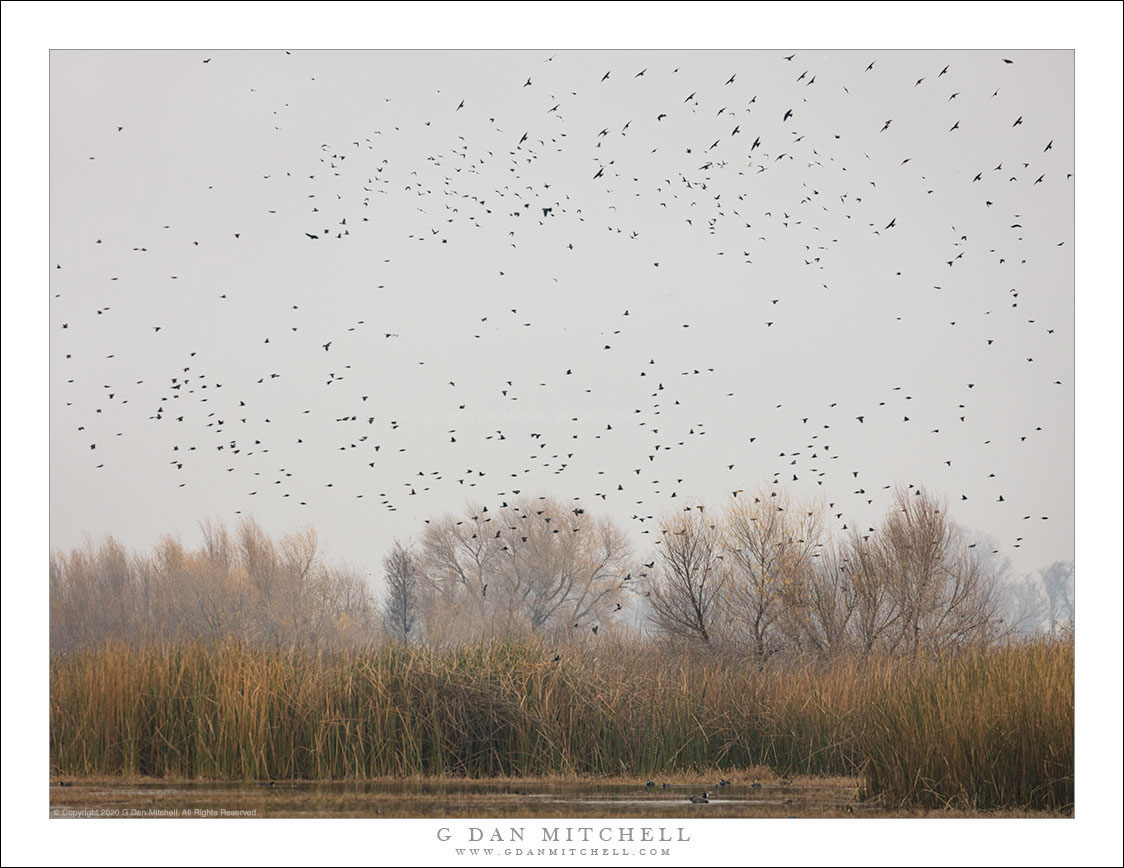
(977, 730)
(987, 729)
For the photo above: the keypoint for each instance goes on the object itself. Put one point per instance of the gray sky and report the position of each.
(841, 268)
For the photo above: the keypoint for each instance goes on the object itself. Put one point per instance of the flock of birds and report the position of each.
(749, 209)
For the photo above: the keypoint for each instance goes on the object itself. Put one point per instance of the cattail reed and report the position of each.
(981, 728)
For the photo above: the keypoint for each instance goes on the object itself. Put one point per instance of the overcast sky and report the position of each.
(185, 132)
(356, 289)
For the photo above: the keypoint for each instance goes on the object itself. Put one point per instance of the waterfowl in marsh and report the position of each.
(725, 783)
(699, 800)
(650, 784)
(756, 785)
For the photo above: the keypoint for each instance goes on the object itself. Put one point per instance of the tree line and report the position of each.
(239, 584)
(762, 576)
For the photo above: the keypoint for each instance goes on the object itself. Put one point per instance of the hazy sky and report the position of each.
(600, 275)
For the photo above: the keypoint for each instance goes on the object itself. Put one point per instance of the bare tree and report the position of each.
(940, 591)
(875, 617)
(1057, 581)
(242, 585)
(772, 546)
(400, 609)
(536, 565)
(687, 590)
(1022, 603)
(828, 605)
(560, 566)
(460, 561)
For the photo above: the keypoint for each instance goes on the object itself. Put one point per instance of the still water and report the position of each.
(528, 797)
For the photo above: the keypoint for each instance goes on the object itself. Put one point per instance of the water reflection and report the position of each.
(452, 797)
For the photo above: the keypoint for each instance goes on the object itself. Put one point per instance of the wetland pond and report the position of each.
(452, 797)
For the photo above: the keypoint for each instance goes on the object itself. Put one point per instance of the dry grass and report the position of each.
(988, 729)
(980, 729)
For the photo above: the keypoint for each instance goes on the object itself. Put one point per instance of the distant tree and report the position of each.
(239, 584)
(1057, 581)
(400, 609)
(1022, 604)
